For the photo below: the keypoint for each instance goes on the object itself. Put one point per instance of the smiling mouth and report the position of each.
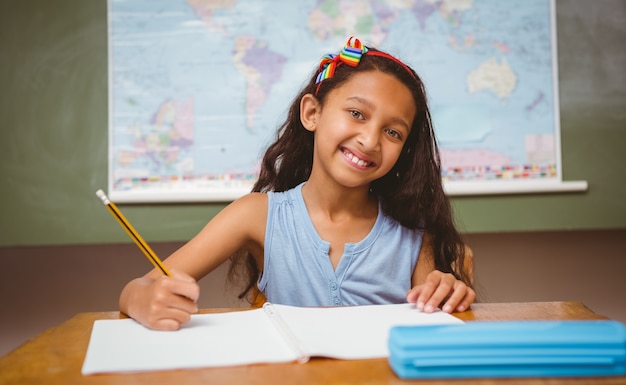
(356, 160)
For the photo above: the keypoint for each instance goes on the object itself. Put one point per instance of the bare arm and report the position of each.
(433, 288)
(165, 303)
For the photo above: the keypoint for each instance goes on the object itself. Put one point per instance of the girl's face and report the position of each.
(361, 129)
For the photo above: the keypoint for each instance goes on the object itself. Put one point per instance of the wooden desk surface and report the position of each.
(56, 357)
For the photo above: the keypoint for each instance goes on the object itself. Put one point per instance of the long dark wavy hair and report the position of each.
(411, 192)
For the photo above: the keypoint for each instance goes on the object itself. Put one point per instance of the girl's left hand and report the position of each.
(441, 289)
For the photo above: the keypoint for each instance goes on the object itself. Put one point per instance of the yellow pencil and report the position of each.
(132, 232)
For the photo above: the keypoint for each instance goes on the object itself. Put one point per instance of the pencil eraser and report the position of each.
(103, 197)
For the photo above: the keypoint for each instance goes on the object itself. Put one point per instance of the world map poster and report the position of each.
(197, 88)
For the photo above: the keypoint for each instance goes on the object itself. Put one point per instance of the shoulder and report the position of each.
(249, 205)
(253, 198)
(243, 221)
(244, 213)
(256, 205)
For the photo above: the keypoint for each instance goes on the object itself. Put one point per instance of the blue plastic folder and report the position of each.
(509, 349)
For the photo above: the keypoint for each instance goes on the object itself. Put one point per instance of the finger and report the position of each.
(442, 291)
(460, 290)
(170, 299)
(166, 324)
(192, 290)
(467, 300)
(181, 286)
(434, 280)
(426, 292)
(168, 311)
(413, 294)
(180, 302)
(170, 319)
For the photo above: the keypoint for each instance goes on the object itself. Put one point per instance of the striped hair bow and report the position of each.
(350, 55)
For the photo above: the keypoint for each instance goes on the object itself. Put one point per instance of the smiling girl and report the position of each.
(349, 207)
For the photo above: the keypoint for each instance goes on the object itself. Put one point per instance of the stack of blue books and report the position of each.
(509, 349)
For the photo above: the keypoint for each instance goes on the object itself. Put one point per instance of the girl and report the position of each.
(349, 207)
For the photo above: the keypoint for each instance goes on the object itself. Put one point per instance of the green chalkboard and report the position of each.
(53, 139)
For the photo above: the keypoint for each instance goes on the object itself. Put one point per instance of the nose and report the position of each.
(369, 138)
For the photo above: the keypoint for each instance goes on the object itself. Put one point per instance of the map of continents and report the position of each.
(199, 86)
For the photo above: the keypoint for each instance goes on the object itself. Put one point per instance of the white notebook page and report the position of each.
(250, 336)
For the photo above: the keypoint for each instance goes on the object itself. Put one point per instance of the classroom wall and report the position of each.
(53, 142)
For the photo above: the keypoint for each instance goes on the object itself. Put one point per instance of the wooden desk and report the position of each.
(56, 357)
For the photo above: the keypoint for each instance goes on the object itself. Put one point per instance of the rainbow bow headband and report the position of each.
(351, 55)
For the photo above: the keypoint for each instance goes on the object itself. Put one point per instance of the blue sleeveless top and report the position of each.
(297, 268)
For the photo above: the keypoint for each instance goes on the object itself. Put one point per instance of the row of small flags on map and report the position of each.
(209, 180)
(500, 172)
(246, 178)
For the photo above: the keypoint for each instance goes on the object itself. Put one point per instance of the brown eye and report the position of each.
(393, 133)
(356, 114)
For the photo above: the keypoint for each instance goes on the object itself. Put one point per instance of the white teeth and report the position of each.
(357, 161)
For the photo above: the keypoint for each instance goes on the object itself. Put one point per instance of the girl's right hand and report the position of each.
(163, 303)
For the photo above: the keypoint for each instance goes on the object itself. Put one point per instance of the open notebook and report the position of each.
(274, 333)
